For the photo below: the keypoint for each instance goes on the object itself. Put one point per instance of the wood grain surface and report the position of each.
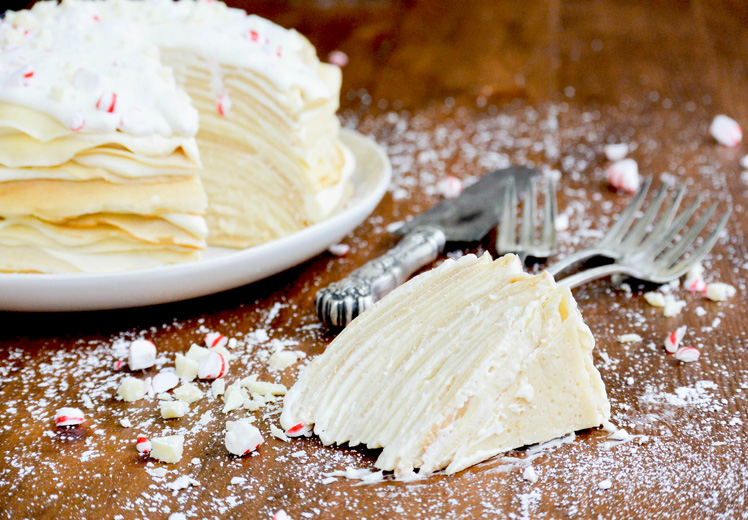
(448, 88)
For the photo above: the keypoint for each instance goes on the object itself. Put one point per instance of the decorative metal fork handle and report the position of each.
(339, 303)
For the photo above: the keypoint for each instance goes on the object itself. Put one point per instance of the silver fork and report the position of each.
(662, 259)
(528, 244)
(622, 239)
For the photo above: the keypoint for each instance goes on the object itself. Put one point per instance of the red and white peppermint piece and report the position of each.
(281, 515)
(242, 437)
(726, 130)
(76, 122)
(687, 354)
(338, 58)
(142, 354)
(624, 175)
(215, 339)
(695, 285)
(164, 381)
(212, 366)
(339, 249)
(69, 417)
(672, 342)
(119, 364)
(298, 430)
(449, 187)
(107, 102)
(223, 104)
(616, 152)
(143, 445)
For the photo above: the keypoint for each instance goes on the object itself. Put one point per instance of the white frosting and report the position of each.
(93, 73)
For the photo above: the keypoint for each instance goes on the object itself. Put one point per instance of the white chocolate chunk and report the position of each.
(167, 449)
(719, 292)
(218, 387)
(278, 433)
(186, 368)
(188, 393)
(282, 359)
(132, 389)
(233, 398)
(196, 352)
(673, 307)
(262, 387)
(206, 418)
(173, 409)
(655, 299)
(629, 338)
(437, 373)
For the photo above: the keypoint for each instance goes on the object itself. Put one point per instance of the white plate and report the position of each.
(219, 270)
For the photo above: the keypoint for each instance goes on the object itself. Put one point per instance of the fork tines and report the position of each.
(528, 245)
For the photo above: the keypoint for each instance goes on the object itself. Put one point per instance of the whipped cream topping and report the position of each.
(93, 73)
(227, 36)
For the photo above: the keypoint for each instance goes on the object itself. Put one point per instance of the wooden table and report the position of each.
(447, 88)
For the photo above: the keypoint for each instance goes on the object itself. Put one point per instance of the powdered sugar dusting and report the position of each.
(680, 425)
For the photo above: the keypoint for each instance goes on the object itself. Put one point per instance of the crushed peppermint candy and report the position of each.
(223, 104)
(215, 339)
(142, 354)
(530, 474)
(213, 366)
(616, 152)
(449, 187)
(281, 515)
(339, 249)
(629, 338)
(687, 354)
(242, 437)
(726, 130)
(624, 175)
(164, 381)
(672, 342)
(69, 417)
(107, 102)
(299, 430)
(143, 445)
(338, 58)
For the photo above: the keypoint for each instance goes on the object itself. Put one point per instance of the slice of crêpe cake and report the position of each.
(461, 363)
(269, 137)
(98, 160)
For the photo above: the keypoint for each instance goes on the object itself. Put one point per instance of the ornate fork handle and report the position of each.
(340, 302)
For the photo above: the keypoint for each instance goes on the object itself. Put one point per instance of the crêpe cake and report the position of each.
(160, 127)
(461, 363)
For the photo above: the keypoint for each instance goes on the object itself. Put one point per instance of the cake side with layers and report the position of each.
(269, 136)
(98, 160)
